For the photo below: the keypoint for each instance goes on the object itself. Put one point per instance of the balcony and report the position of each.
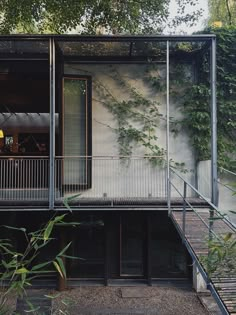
(98, 180)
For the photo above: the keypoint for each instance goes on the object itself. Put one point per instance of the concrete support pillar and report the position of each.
(199, 284)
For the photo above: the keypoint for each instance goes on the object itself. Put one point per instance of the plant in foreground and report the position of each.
(19, 268)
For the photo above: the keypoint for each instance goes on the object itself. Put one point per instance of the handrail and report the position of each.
(226, 186)
(111, 156)
(227, 171)
(188, 203)
(13, 157)
(205, 199)
(85, 156)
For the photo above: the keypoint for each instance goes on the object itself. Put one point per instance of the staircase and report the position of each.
(211, 241)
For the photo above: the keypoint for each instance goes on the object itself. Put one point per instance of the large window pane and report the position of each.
(75, 127)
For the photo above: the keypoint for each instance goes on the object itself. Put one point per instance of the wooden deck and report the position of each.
(197, 236)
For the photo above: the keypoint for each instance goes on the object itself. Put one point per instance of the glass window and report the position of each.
(75, 133)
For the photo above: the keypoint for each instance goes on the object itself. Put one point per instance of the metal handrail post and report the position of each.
(168, 122)
(169, 197)
(184, 207)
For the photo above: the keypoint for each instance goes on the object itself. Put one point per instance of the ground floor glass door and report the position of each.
(132, 238)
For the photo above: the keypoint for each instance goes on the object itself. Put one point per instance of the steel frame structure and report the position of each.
(53, 40)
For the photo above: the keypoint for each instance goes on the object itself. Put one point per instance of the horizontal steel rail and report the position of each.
(227, 193)
(210, 204)
(227, 171)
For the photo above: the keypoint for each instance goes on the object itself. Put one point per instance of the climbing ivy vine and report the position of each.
(196, 102)
(137, 116)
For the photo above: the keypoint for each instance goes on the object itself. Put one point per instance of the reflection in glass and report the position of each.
(132, 244)
(75, 91)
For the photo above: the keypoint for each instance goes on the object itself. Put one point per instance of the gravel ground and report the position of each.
(122, 301)
(109, 300)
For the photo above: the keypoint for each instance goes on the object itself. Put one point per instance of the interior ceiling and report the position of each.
(23, 95)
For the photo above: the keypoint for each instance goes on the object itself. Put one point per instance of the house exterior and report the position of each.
(64, 103)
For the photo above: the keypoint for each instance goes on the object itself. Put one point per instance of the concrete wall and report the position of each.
(227, 200)
(104, 139)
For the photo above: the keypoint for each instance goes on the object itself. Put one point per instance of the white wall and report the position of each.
(227, 200)
(130, 179)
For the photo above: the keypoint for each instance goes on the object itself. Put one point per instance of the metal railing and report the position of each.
(24, 178)
(227, 193)
(93, 177)
(187, 203)
(228, 185)
(197, 235)
(110, 177)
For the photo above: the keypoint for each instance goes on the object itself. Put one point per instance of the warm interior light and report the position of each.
(1, 133)
(217, 24)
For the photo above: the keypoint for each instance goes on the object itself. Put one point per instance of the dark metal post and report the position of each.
(149, 257)
(184, 207)
(52, 123)
(210, 236)
(106, 256)
(168, 123)
(214, 186)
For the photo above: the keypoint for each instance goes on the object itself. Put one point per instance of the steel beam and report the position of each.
(109, 38)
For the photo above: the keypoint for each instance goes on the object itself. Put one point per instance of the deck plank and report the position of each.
(197, 236)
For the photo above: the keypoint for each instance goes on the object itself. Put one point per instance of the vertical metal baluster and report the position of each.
(184, 207)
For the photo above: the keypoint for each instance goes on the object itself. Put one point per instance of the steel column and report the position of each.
(52, 123)
(168, 123)
(149, 249)
(214, 185)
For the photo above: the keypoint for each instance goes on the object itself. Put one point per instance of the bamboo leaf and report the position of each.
(227, 236)
(58, 268)
(72, 257)
(62, 267)
(21, 270)
(69, 199)
(15, 228)
(40, 266)
(64, 249)
(48, 230)
(59, 218)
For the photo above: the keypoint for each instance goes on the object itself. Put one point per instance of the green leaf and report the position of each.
(62, 267)
(21, 270)
(227, 236)
(59, 218)
(40, 266)
(69, 199)
(15, 228)
(48, 230)
(58, 268)
(72, 257)
(64, 249)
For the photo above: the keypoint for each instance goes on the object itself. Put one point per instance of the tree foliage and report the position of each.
(222, 10)
(86, 16)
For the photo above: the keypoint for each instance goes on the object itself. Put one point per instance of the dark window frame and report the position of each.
(88, 79)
